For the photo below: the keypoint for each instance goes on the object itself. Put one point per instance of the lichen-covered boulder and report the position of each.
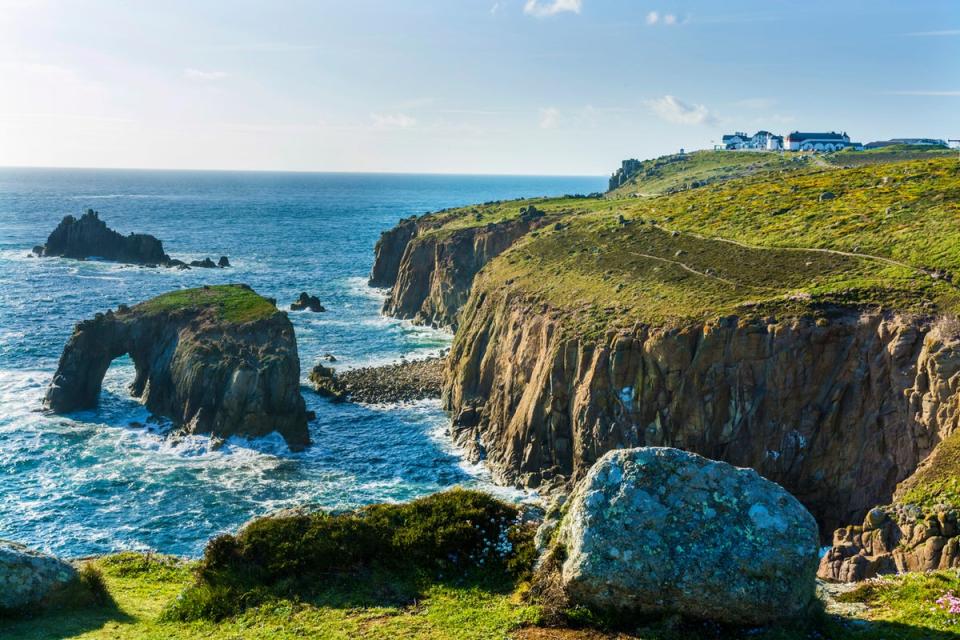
(27, 577)
(660, 530)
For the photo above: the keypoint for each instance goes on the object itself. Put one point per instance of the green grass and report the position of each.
(753, 246)
(465, 608)
(937, 480)
(232, 302)
(696, 169)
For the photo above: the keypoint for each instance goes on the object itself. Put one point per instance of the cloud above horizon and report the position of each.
(549, 118)
(204, 76)
(672, 109)
(393, 121)
(544, 9)
(667, 19)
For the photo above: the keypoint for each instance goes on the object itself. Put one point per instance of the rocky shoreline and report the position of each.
(406, 381)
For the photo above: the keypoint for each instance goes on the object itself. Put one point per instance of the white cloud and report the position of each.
(665, 19)
(549, 118)
(203, 76)
(552, 7)
(392, 121)
(672, 109)
(944, 32)
(669, 19)
(653, 18)
(493, 9)
(924, 93)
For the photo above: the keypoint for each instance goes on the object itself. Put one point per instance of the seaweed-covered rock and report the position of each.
(27, 577)
(220, 360)
(658, 530)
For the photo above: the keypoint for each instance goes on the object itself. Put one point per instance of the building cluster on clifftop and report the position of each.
(811, 141)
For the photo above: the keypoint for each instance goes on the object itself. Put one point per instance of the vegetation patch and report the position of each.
(430, 539)
(936, 482)
(232, 302)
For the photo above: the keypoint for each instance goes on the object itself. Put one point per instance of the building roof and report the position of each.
(833, 135)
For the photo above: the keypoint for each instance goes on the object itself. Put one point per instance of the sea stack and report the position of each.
(219, 360)
(89, 236)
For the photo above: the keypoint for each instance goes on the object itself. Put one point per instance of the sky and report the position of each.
(565, 87)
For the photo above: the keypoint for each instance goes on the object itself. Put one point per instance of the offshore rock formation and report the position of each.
(837, 411)
(431, 273)
(307, 302)
(217, 360)
(90, 237)
(657, 531)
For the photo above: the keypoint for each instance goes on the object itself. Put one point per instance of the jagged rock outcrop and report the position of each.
(838, 410)
(218, 360)
(431, 273)
(893, 540)
(28, 577)
(90, 237)
(307, 302)
(661, 531)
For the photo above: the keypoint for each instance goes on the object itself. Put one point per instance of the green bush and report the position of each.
(284, 556)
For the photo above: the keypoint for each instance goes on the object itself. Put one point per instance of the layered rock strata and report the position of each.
(217, 360)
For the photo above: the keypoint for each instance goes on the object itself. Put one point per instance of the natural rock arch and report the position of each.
(202, 364)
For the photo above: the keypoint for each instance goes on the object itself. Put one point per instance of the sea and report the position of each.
(112, 479)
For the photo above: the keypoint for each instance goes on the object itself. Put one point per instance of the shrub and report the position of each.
(284, 556)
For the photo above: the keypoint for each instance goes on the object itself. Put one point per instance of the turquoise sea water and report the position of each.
(99, 481)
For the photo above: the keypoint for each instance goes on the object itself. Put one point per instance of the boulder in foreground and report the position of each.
(219, 360)
(28, 577)
(661, 531)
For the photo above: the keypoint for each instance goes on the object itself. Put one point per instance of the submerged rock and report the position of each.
(218, 360)
(27, 577)
(307, 302)
(661, 531)
(89, 237)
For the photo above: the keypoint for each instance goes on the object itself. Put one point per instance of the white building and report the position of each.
(832, 141)
(761, 140)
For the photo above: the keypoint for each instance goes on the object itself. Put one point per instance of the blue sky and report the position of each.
(465, 86)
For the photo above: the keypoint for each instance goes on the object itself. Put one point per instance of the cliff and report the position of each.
(219, 360)
(754, 320)
(430, 267)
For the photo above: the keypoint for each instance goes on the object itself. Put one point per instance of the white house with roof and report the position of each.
(832, 141)
(761, 140)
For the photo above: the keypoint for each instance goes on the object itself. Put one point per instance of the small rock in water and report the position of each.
(224, 261)
(307, 302)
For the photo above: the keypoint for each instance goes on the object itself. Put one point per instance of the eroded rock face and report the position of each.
(434, 271)
(27, 576)
(836, 410)
(206, 373)
(893, 540)
(658, 530)
(89, 236)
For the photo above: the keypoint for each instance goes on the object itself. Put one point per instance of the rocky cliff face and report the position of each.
(431, 273)
(836, 410)
(208, 371)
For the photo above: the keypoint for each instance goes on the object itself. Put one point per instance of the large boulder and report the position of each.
(220, 360)
(658, 530)
(27, 577)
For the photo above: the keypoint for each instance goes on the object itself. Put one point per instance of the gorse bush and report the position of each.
(284, 556)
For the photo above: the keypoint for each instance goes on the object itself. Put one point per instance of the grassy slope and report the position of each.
(678, 259)
(678, 172)
(234, 303)
(142, 586)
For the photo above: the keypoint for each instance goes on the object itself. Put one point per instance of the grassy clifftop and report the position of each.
(232, 302)
(781, 240)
